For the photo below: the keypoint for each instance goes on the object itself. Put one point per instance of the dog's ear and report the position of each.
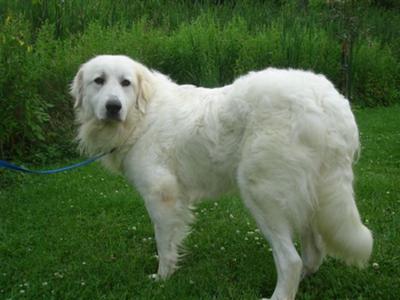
(145, 90)
(77, 89)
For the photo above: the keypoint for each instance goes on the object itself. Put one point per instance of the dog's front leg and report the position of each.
(171, 217)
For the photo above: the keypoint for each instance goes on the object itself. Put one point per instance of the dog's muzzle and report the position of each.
(113, 108)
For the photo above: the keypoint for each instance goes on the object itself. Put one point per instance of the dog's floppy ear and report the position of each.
(77, 89)
(145, 90)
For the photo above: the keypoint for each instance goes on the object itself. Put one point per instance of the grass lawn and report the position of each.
(86, 235)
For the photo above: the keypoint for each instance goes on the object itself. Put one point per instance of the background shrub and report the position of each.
(209, 43)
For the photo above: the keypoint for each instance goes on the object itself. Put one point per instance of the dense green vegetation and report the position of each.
(42, 43)
(86, 235)
(71, 236)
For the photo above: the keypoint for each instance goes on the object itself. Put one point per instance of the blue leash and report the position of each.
(7, 165)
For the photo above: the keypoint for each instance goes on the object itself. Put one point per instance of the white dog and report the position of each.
(284, 139)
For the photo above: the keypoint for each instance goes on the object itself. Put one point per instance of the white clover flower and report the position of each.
(153, 276)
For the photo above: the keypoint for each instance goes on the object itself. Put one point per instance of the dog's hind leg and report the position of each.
(312, 251)
(273, 223)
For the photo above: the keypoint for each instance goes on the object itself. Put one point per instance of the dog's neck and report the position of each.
(97, 137)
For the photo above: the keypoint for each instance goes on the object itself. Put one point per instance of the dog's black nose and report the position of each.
(113, 106)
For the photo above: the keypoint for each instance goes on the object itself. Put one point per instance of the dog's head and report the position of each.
(107, 87)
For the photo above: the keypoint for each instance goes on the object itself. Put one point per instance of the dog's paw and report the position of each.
(154, 277)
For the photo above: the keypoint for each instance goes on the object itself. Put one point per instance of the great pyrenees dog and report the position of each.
(284, 140)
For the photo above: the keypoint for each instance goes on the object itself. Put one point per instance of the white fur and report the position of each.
(284, 139)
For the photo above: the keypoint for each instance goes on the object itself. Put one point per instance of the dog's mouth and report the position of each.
(113, 117)
(110, 118)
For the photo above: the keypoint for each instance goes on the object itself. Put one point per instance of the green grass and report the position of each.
(86, 235)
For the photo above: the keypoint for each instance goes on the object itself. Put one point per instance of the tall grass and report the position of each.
(42, 44)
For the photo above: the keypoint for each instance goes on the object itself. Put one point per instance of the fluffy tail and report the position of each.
(338, 220)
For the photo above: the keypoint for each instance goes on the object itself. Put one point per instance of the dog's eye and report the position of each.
(99, 80)
(125, 82)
